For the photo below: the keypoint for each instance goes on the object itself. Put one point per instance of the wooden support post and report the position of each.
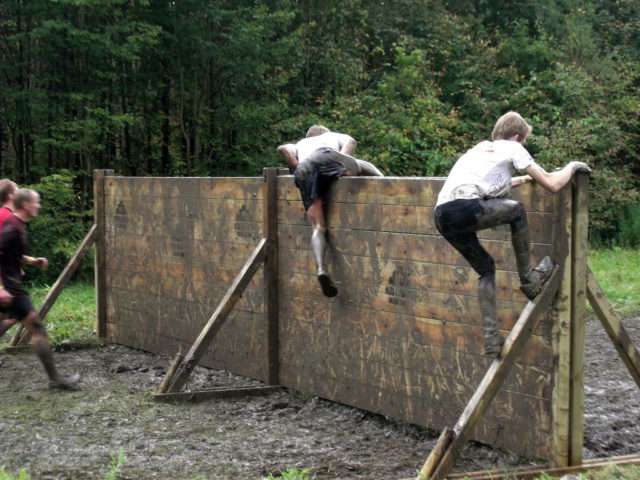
(613, 326)
(218, 318)
(99, 189)
(436, 454)
(271, 273)
(21, 336)
(579, 254)
(496, 374)
(562, 332)
(166, 382)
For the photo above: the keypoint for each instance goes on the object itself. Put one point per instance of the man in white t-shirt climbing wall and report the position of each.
(316, 162)
(475, 196)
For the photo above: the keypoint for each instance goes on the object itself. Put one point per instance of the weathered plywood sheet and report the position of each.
(174, 245)
(403, 338)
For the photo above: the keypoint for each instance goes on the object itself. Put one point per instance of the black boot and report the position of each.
(536, 278)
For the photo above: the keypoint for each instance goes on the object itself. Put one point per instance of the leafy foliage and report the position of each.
(57, 232)
(210, 87)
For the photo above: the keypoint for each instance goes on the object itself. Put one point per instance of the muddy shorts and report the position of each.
(315, 177)
(19, 307)
(457, 221)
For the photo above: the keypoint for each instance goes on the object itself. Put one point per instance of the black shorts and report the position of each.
(457, 221)
(316, 182)
(19, 307)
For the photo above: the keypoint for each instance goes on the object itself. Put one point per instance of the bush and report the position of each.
(59, 229)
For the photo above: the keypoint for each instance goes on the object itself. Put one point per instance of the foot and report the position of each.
(65, 382)
(328, 287)
(493, 345)
(537, 277)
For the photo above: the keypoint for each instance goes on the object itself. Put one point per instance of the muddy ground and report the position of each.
(75, 435)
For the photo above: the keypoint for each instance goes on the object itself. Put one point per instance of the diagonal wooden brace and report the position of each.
(492, 381)
(179, 376)
(21, 337)
(613, 326)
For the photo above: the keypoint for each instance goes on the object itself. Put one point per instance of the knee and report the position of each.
(488, 272)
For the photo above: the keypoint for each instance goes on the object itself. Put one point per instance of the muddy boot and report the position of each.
(56, 381)
(65, 382)
(328, 287)
(536, 278)
(493, 344)
(493, 341)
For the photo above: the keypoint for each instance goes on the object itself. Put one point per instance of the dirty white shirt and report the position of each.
(307, 146)
(485, 171)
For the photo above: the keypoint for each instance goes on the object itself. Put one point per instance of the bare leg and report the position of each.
(319, 246)
(6, 324)
(368, 169)
(42, 348)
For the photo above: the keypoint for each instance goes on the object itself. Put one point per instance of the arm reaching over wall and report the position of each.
(554, 181)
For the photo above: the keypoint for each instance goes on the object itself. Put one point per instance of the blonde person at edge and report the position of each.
(316, 162)
(475, 196)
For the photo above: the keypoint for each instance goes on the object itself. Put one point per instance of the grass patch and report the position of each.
(618, 273)
(291, 474)
(73, 317)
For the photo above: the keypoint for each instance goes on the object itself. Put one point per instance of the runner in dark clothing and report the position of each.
(8, 190)
(13, 249)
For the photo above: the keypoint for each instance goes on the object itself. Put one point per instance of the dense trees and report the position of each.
(209, 87)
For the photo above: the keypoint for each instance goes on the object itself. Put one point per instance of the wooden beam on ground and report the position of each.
(21, 336)
(579, 254)
(12, 350)
(218, 318)
(271, 274)
(613, 326)
(496, 374)
(533, 472)
(223, 392)
(99, 210)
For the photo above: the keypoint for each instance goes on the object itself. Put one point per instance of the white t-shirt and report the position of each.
(485, 171)
(307, 146)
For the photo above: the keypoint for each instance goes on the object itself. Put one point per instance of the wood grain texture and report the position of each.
(579, 254)
(403, 337)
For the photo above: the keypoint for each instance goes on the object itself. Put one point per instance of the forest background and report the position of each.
(211, 87)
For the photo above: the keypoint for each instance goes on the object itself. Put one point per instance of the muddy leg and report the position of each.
(368, 169)
(319, 246)
(471, 249)
(6, 324)
(501, 211)
(42, 348)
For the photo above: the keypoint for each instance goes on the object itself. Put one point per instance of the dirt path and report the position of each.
(73, 435)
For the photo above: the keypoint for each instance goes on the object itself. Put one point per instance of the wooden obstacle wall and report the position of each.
(404, 336)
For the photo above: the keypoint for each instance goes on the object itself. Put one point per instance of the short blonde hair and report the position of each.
(24, 196)
(510, 124)
(315, 130)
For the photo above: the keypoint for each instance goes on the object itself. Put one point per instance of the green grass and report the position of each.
(618, 273)
(73, 317)
(292, 474)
